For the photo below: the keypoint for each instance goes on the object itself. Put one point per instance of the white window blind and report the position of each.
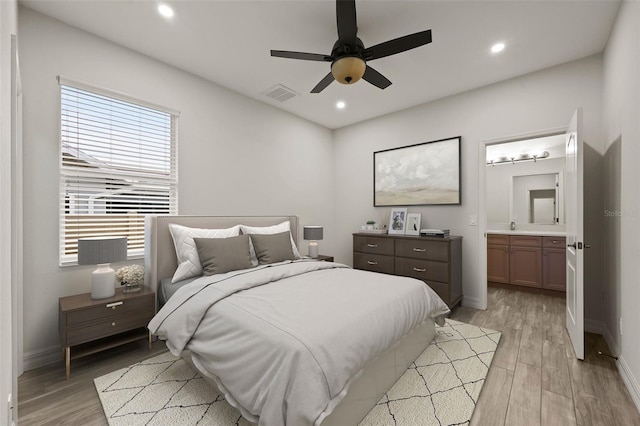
(117, 164)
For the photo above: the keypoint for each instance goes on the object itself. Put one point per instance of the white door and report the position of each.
(575, 254)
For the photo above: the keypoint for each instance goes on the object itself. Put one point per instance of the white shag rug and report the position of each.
(440, 388)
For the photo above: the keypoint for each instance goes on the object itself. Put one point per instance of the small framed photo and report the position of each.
(413, 223)
(398, 221)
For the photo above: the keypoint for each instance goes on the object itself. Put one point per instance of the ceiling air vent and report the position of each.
(280, 93)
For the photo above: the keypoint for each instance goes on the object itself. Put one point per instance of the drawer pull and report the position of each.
(372, 245)
(114, 305)
(113, 324)
(370, 262)
(555, 242)
(420, 269)
(419, 249)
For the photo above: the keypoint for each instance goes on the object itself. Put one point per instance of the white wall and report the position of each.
(536, 102)
(8, 386)
(499, 185)
(236, 156)
(621, 109)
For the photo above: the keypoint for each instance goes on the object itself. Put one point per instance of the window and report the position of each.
(117, 164)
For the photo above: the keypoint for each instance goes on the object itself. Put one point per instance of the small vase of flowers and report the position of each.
(131, 277)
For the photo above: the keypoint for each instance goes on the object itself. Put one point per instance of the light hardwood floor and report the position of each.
(534, 378)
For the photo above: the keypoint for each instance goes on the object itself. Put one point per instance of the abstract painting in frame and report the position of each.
(422, 174)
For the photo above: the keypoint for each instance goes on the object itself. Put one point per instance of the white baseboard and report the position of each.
(42, 357)
(630, 381)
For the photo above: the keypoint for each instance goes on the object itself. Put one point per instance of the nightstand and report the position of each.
(89, 325)
(325, 258)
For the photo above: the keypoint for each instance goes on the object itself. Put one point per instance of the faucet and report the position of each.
(513, 226)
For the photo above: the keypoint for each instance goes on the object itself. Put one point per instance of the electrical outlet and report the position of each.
(473, 220)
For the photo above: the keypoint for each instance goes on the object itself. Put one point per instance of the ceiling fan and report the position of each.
(349, 57)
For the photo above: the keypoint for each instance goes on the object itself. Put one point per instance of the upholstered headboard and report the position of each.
(159, 252)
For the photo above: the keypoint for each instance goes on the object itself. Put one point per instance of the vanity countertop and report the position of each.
(517, 232)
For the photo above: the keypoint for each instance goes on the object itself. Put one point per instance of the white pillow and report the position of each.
(274, 229)
(189, 264)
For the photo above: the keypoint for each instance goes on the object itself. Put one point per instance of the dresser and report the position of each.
(436, 261)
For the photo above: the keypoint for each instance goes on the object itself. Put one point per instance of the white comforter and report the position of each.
(284, 353)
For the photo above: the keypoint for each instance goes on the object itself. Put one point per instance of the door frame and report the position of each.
(482, 197)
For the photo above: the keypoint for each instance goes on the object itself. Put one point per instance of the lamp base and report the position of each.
(103, 282)
(313, 250)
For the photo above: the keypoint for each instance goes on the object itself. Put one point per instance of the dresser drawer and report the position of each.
(376, 245)
(423, 249)
(525, 241)
(498, 240)
(104, 328)
(145, 304)
(422, 269)
(373, 262)
(556, 242)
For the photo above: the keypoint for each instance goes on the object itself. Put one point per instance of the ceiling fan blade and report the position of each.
(375, 78)
(301, 55)
(346, 17)
(327, 80)
(397, 45)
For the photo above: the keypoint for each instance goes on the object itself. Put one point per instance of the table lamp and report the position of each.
(102, 251)
(313, 233)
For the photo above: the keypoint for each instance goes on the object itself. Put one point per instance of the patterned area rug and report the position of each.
(440, 388)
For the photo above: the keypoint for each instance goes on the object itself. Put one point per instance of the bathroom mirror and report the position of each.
(536, 199)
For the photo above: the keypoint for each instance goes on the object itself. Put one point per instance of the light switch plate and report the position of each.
(473, 220)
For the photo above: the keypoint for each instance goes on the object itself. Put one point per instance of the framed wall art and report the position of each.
(423, 174)
(397, 221)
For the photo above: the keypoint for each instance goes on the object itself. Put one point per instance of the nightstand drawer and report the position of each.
(422, 269)
(105, 328)
(373, 262)
(145, 304)
(422, 249)
(376, 245)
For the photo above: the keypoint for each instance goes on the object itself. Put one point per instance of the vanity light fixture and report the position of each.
(497, 48)
(165, 10)
(521, 157)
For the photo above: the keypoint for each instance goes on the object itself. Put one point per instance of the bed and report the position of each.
(295, 341)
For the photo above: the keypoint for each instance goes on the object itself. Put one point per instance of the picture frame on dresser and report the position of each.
(413, 223)
(427, 173)
(398, 221)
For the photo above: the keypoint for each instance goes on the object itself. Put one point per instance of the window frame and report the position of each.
(65, 171)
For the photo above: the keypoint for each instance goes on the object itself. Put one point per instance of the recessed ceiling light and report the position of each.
(340, 104)
(497, 48)
(165, 10)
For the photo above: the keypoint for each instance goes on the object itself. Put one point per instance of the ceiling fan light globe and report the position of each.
(348, 70)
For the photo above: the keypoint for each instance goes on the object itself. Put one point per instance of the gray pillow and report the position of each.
(272, 248)
(220, 255)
